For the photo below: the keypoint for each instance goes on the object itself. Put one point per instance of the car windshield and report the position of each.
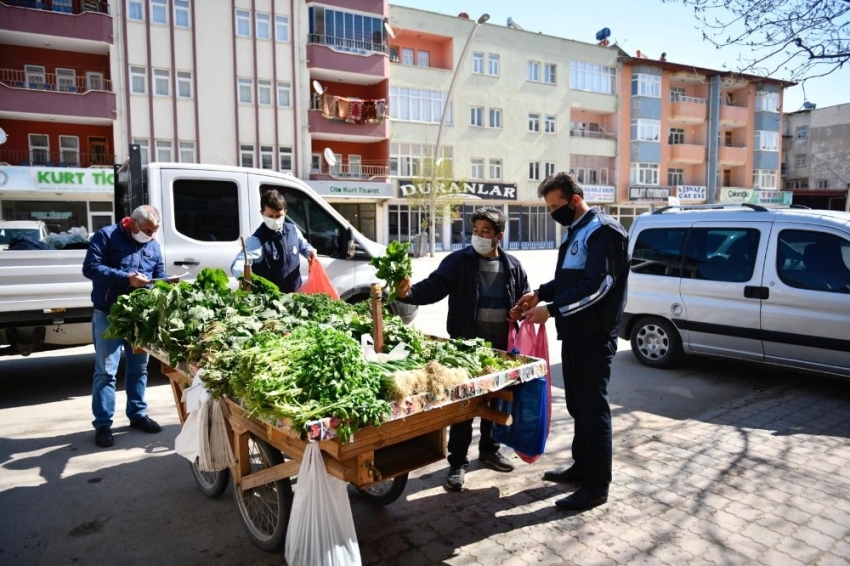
(9, 234)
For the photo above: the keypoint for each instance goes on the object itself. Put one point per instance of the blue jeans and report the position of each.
(107, 355)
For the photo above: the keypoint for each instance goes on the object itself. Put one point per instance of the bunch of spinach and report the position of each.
(393, 266)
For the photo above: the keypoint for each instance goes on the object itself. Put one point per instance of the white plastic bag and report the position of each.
(188, 442)
(367, 348)
(321, 528)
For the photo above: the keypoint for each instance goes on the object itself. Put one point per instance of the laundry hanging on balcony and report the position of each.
(353, 110)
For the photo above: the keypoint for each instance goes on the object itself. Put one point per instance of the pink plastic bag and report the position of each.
(318, 282)
(531, 341)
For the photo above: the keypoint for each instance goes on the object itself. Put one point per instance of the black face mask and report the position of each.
(564, 215)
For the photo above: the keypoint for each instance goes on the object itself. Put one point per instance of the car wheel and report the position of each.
(656, 343)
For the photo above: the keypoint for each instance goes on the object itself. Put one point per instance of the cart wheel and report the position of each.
(265, 509)
(385, 492)
(211, 484)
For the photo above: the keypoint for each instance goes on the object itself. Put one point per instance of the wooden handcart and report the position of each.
(376, 460)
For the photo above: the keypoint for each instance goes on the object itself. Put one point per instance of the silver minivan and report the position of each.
(744, 281)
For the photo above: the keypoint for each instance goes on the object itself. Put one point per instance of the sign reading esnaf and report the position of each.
(64, 179)
(486, 191)
(691, 192)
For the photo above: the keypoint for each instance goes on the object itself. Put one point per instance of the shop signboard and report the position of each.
(692, 193)
(755, 196)
(599, 193)
(56, 179)
(480, 189)
(350, 189)
(650, 193)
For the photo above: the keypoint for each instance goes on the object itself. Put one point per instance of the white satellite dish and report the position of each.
(330, 157)
(3, 136)
(389, 29)
(317, 86)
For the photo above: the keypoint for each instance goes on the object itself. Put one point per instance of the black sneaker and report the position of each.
(454, 481)
(497, 462)
(103, 437)
(146, 424)
(583, 499)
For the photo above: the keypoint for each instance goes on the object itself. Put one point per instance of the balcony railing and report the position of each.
(358, 46)
(353, 110)
(593, 134)
(44, 158)
(50, 81)
(63, 6)
(348, 171)
(674, 97)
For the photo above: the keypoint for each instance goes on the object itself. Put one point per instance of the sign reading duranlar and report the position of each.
(486, 191)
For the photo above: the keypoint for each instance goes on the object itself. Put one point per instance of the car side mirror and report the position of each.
(352, 244)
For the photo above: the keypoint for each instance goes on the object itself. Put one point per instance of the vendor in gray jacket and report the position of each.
(482, 283)
(274, 247)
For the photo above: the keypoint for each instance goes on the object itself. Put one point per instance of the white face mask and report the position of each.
(141, 237)
(273, 223)
(482, 245)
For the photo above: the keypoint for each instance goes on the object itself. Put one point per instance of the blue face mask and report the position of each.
(564, 215)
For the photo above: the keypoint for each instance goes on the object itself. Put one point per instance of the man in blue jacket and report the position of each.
(121, 258)
(274, 247)
(586, 297)
(482, 282)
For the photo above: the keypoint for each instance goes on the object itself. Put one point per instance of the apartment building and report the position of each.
(816, 156)
(697, 135)
(58, 105)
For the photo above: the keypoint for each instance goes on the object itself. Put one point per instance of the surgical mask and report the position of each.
(141, 237)
(564, 215)
(482, 245)
(273, 223)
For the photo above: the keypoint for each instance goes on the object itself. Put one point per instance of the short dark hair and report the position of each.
(272, 199)
(491, 214)
(564, 182)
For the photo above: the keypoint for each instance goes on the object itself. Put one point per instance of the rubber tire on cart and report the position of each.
(211, 484)
(385, 492)
(265, 509)
(656, 343)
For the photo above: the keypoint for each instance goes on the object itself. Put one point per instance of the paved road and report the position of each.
(717, 462)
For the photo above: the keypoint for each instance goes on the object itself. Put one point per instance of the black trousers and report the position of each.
(460, 437)
(586, 365)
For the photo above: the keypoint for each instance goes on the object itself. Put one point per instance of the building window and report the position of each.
(266, 157)
(533, 122)
(603, 175)
(162, 82)
(264, 93)
(675, 177)
(676, 137)
(550, 124)
(646, 85)
(643, 174)
(767, 102)
(764, 179)
(246, 88)
(477, 62)
(284, 94)
(243, 23)
(549, 73)
(66, 80)
(767, 140)
(494, 64)
(548, 169)
(496, 118)
(184, 84)
(800, 160)
(181, 13)
(135, 10)
(592, 77)
(823, 183)
(159, 11)
(495, 169)
(802, 132)
(35, 76)
(39, 149)
(534, 71)
(476, 171)
(797, 184)
(476, 116)
(163, 151)
(138, 80)
(423, 58)
(418, 105)
(187, 152)
(264, 26)
(677, 93)
(144, 150)
(407, 56)
(646, 130)
(246, 155)
(533, 170)
(285, 158)
(69, 147)
(281, 25)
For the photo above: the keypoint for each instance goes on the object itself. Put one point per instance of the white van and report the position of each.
(747, 282)
(34, 230)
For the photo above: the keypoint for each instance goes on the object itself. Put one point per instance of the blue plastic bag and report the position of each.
(530, 427)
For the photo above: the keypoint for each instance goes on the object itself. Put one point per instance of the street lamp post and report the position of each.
(438, 145)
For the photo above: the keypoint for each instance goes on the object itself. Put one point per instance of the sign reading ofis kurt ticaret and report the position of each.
(480, 189)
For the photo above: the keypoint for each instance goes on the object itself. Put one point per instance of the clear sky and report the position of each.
(651, 26)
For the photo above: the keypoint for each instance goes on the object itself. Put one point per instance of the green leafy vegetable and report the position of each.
(393, 266)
